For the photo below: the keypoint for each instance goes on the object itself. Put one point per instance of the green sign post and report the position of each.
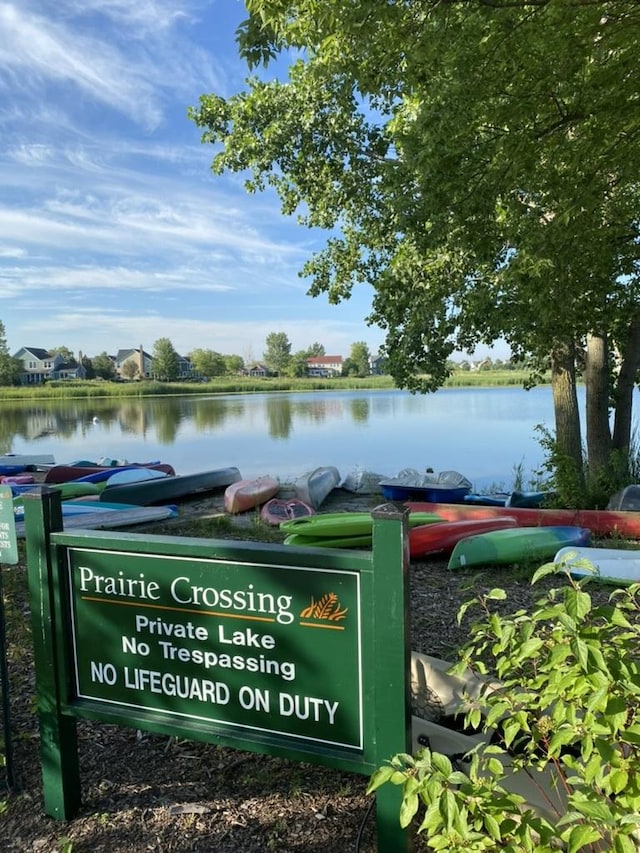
(8, 539)
(293, 652)
(9, 555)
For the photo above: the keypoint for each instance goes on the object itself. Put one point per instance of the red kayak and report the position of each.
(277, 510)
(443, 536)
(601, 522)
(66, 473)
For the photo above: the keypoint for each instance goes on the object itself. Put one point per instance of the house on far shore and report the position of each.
(377, 364)
(39, 365)
(139, 357)
(325, 365)
(257, 369)
(186, 369)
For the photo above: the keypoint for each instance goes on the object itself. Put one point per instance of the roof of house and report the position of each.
(124, 354)
(325, 359)
(38, 352)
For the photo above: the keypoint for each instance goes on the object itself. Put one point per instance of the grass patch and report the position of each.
(72, 389)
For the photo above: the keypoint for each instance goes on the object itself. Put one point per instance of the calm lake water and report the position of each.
(483, 433)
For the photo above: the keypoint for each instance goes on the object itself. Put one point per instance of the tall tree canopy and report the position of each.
(10, 367)
(277, 354)
(166, 364)
(473, 160)
(103, 366)
(208, 362)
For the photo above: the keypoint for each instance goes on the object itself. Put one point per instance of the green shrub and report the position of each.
(562, 720)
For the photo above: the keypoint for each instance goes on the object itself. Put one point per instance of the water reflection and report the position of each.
(482, 432)
(279, 412)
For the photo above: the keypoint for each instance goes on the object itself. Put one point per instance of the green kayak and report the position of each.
(327, 542)
(69, 490)
(332, 525)
(515, 545)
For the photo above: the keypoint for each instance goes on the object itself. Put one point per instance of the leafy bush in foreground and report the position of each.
(563, 720)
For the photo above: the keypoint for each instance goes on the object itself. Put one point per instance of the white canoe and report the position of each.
(437, 696)
(610, 565)
(313, 488)
(134, 475)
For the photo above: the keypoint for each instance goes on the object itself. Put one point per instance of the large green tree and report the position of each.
(10, 368)
(277, 354)
(165, 365)
(103, 366)
(473, 160)
(207, 362)
(233, 364)
(360, 357)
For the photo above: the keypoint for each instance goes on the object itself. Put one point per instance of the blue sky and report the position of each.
(113, 230)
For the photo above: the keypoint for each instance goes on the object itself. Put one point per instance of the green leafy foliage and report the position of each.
(277, 354)
(103, 366)
(563, 715)
(473, 162)
(207, 362)
(10, 368)
(166, 366)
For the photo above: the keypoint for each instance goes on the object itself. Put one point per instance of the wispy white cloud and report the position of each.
(145, 17)
(35, 49)
(129, 64)
(111, 330)
(112, 227)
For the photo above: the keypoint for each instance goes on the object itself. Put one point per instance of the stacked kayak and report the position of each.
(442, 537)
(340, 529)
(84, 470)
(515, 545)
(601, 522)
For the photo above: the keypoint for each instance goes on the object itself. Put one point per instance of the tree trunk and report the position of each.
(629, 359)
(596, 375)
(568, 443)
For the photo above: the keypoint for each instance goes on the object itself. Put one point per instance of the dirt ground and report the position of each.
(143, 792)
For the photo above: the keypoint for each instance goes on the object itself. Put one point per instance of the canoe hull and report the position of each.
(444, 536)
(601, 522)
(277, 510)
(109, 519)
(617, 566)
(168, 489)
(248, 494)
(516, 545)
(314, 487)
(299, 541)
(27, 460)
(332, 525)
(97, 473)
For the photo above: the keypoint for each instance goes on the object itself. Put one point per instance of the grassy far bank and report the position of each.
(244, 385)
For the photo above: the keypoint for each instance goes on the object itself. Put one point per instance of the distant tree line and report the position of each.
(206, 363)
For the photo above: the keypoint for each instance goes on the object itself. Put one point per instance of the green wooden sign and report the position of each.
(8, 539)
(263, 647)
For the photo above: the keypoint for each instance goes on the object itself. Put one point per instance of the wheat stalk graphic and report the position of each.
(328, 607)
